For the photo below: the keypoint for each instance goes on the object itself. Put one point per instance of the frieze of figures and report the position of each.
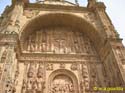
(58, 41)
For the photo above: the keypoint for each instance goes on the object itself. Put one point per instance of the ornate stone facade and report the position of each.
(55, 46)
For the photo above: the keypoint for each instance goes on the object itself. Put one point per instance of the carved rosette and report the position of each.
(49, 66)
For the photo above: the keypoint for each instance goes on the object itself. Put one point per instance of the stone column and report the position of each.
(9, 62)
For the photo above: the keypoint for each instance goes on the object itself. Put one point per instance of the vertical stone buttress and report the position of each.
(112, 53)
(9, 27)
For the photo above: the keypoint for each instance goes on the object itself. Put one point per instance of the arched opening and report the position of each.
(63, 81)
(60, 20)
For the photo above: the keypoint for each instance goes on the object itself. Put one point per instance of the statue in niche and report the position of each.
(4, 56)
(94, 81)
(0, 72)
(24, 86)
(76, 46)
(40, 79)
(43, 46)
(30, 74)
(56, 46)
(34, 86)
(31, 44)
(31, 82)
(119, 53)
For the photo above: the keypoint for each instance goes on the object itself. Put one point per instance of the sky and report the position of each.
(114, 8)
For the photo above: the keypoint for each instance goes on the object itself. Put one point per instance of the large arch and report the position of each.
(61, 19)
(66, 73)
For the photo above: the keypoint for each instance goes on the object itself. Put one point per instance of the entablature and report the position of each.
(55, 7)
(57, 57)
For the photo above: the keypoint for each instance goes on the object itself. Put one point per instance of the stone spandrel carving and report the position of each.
(74, 66)
(62, 65)
(58, 41)
(49, 66)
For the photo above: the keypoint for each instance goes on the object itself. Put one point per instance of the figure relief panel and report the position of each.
(58, 41)
(61, 84)
(34, 78)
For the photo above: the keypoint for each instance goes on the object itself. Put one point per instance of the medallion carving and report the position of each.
(74, 66)
(62, 65)
(49, 66)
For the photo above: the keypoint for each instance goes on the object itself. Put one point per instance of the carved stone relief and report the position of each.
(74, 66)
(58, 41)
(62, 65)
(49, 66)
(86, 78)
(35, 80)
(62, 84)
(0, 72)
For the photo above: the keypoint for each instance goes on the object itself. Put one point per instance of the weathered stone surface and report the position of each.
(54, 46)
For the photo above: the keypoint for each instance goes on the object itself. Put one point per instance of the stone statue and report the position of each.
(24, 86)
(40, 80)
(0, 73)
